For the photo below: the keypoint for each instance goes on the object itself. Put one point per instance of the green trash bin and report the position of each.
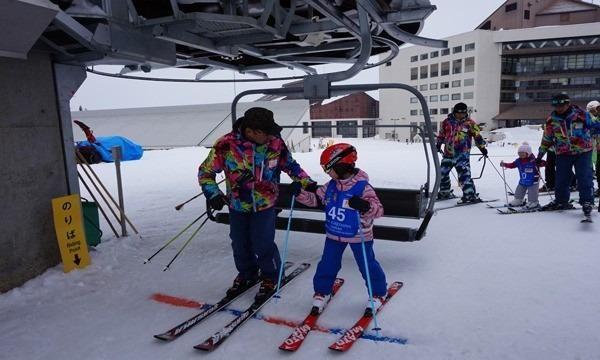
(91, 222)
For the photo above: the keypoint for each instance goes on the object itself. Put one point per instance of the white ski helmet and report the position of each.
(592, 105)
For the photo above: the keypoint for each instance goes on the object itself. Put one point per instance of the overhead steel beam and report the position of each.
(178, 35)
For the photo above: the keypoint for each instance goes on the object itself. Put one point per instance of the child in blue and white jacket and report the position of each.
(529, 177)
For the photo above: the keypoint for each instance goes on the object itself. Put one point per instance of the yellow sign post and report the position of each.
(69, 232)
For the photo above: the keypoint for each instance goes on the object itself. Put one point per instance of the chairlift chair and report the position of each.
(397, 203)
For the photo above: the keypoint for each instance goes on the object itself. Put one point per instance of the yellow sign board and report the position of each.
(69, 232)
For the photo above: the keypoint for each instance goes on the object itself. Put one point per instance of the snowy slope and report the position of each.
(479, 286)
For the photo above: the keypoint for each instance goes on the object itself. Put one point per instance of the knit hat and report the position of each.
(526, 148)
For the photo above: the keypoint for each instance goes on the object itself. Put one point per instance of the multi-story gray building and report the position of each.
(505, 77)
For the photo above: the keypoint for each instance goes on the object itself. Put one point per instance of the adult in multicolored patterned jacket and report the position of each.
(529, 178)
(456, 134)
(252, 157)
(568, 128)
(593, 107)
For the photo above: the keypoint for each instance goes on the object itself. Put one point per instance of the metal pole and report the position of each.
(116, 153)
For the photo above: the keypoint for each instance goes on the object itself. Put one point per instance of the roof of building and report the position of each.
(564, 6)
(525, 112)
(179, 126)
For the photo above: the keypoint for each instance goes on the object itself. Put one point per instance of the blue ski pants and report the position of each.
(331, 263)
(583, 172)
(253, 242)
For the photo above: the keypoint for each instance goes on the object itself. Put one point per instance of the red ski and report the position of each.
(355, 332)
(293, 342)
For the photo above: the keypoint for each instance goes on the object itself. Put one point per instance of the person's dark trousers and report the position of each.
(253, 242)
(583, 173)
(331, 263)
(550, 170)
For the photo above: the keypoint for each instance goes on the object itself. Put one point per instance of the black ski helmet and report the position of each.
(460, 108)
(560, 99)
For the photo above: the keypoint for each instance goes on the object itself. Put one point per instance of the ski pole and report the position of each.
(174, 238)
(285, 248)
(180, 206)
(369, 287)
(504, 178)
(498, 172)
(544, 182)
(185, 244)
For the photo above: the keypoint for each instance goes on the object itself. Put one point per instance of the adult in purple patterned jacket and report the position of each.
(568, 129)
(252, 157)
(456, 134)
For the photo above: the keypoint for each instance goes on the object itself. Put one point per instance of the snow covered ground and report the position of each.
(478, 286)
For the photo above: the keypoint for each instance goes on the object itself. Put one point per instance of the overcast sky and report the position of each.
(97, 92)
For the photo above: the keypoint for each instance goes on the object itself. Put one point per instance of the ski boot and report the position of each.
(240, 284)
(319, 302)
(267, 288)
(534, 205)
(377, 302)
(517, 202)
(445, 195)
(555, 205)
(473, 198)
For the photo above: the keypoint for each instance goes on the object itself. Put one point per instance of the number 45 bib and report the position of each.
(341, 219)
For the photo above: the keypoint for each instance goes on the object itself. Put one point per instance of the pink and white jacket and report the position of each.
(366, 219)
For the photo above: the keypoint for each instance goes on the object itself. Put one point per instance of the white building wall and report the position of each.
(485, 92)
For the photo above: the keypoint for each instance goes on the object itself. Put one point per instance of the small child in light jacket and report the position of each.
(529, 178)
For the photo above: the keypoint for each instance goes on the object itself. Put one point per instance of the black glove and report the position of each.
(439, 148)
(295, 188)
(217, 202)
(312, 187)
(484, 151)
(359, 204)
(538, 160)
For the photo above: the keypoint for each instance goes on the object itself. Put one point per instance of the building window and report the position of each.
(457, 49)
(414, 58)
(433, 86)
(424, 56)
(414, 112)
(444, 111)
(444, 97)
(434, 54)
(470, 47)
(369, 129)
(468, 95)
(305, 127)
(444, 85)
(414, 73)
(413, 100)
(456, 83)
(445, 68)
(445, 52)
(433, 111)
(469, 82)
(321, 129)
(526, 15)
(469, 64)
(347, 129)
(434, 70)
(423, 87)
(433, 98)
(456, 96)
(424, 72)
(457, 66)
(510, 7)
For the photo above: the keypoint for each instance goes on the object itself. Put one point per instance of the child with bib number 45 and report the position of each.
(349, 202)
